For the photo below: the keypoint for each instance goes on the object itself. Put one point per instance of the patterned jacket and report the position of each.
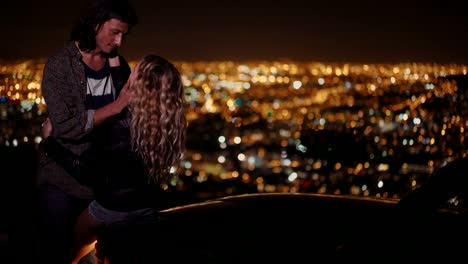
(64, 89)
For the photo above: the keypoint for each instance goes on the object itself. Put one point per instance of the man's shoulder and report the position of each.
(64, 53)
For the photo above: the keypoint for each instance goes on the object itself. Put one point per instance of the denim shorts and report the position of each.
(108, 217)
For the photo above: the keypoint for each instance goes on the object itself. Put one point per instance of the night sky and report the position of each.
(330, 31)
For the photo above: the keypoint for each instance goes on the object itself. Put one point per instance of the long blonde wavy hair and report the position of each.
(158, 121)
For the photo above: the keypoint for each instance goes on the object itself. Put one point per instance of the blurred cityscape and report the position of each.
(286, 126)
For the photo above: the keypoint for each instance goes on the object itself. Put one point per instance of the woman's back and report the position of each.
(120, 177)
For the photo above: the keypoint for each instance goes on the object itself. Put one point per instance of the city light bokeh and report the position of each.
(287, 126)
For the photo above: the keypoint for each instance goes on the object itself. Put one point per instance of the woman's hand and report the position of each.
(114, 61)
(46, 128)
(113, 57)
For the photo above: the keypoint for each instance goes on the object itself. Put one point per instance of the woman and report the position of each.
(131, 157)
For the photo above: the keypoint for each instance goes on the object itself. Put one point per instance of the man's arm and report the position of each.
(69, 119)
(62, 101)
(78, 166)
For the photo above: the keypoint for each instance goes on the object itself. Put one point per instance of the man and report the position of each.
(82, 87)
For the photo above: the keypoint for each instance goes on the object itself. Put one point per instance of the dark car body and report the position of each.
(296, 227)
(430, 223)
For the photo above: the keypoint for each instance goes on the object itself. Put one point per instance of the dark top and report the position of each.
(110, 167)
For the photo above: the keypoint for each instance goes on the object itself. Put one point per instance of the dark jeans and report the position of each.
(57, 215)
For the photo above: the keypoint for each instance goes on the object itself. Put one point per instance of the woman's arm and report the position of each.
(113, 108)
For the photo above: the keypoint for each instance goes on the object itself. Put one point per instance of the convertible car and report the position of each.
(430, 223)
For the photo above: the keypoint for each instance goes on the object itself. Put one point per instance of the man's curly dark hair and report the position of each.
(97, 13)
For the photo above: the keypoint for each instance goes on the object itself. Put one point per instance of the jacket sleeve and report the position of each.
(68, 117)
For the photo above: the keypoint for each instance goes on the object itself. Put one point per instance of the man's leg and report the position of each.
(57, 215)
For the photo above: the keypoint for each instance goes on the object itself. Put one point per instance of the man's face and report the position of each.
(111, 34)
